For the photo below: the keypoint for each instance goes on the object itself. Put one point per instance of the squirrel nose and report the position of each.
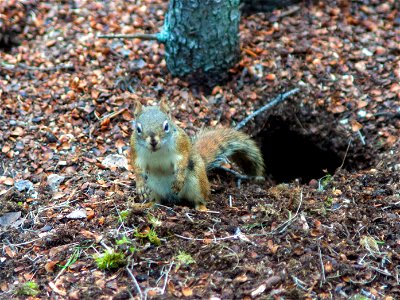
(153, 143)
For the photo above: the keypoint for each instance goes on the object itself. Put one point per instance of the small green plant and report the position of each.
(324, 181)
(110, 259)
(150, 235)
(153, 220)
(73, 258)
(123, 215)
(184, 258)
(29, 288)
(125, 242)
(328, 202)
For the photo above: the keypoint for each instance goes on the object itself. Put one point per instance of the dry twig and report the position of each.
(12, 67)
(240, 177)
(269, 105)
(142, 36)
(323, 278)
(135, 283)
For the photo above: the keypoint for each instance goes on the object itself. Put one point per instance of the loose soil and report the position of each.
(324, 225)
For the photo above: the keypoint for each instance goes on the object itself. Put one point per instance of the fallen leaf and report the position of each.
(187, 291)
(50, 266)
(270, 77)
(355, 126)
(328, 267)
(241, 278)
(91, 235)
(9, 252)
(55, 250)
(59, 291)
(336, 192)
(18, 131)
(8, 181)
(258, 291)
(58, 195)
(90, 213)
(5, 148)
(273, 248)
(28, 276)
(152, 293)
(369, 243)
(79, 213)
(4, 286)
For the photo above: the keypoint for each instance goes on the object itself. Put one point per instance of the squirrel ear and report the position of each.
(138, 109)
(164, 106)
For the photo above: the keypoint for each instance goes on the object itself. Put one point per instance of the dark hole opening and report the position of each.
(291, 154)
(8, 40)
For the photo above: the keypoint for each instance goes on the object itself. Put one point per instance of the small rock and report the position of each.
(9, 218)
(51, 138)
(136, 65)
(37, 119)
(54, 180)
(33, 194)
(362, 113)
(313, 183)
(360, 66)
(125, 52)
(19, 145)
(46, 228)
(366, 52)
(115, 160)
(383, 8)
(23, 185)
(77, 214)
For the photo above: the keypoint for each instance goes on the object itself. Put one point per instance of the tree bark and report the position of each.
(201, 37)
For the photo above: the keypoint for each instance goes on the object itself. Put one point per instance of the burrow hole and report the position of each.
(290, 153)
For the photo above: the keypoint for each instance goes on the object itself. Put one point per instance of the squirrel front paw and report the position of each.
(177, 186)
(143, 192)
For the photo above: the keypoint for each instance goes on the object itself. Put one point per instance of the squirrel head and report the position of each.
(153, 127)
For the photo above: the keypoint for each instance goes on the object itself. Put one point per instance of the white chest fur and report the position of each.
(159, 168)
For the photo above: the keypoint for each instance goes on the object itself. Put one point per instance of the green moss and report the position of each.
(328, 202)
(110, 260)
(125, 243)
(153, 220)
(149, 235)
(123, 215)
(29, 288)
(183, 258)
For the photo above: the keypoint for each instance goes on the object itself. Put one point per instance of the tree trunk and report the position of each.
(201, 37)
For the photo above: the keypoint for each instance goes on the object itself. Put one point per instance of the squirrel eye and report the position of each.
(139, 128)
(166, 126)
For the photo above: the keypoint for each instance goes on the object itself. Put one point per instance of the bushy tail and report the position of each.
(220, 145)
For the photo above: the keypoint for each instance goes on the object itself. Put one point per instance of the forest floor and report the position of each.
(326, 222)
